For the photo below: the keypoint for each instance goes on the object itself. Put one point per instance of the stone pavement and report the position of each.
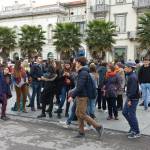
(30, 134)
(119, 125)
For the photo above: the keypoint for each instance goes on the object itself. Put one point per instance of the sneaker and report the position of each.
(66, 115)
(65, 124)
(33, 109)
(80, 135)
(100, 131)
(105, 111)
(109, 118)
(5, 118)
(116, 118)
(142, 104)
(87, 128)
(134, 135)
(41, 116)
(129, 132)
(39, 107)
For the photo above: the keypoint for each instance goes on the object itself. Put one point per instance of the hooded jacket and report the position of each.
(81, 86)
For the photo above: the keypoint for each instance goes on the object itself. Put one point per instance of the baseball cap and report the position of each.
(130, 64)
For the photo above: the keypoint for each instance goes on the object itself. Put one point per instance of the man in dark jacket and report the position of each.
(81, 93)
(144, 79)
(36, 74)
(129, 110)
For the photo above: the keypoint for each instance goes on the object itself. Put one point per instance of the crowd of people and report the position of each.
(88, 85)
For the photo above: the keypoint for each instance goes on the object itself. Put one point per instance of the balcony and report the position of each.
(73, 18)
(137, 4)
(132, 35)
(100, 8)
(29, 11)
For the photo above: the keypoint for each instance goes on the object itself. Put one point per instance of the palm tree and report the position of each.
(143, 32)
(7, 41)
(31, 40)
(100, 37)
(67, 39)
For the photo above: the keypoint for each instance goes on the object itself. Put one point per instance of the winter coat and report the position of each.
(132, 87)
(81, 86)
(49, 86)
(112, 85)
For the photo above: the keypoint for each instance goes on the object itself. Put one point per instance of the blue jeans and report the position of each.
(129, 113)
(72, 114)
(145, 93)
(91, 107)
(64, 91)
(36, 91)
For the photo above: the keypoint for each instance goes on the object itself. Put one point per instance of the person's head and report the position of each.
(111, 68)
(129, 67)
(146, 61)
(67, 65)
(57, 65)
(80, 62)
(6, 70)
(92, 68)
(39, 59)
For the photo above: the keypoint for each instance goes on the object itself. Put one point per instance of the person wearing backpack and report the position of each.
(81, 92)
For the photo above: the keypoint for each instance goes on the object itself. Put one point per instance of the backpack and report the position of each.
(91, 88)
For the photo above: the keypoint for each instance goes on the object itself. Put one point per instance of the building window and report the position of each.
(120, 1)
(82, 26)
(120, 21)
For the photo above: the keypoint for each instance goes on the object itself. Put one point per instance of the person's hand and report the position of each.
(39, 79)
(70, 99)
(129, 103)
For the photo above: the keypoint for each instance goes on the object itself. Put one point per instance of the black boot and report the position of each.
(41, 116)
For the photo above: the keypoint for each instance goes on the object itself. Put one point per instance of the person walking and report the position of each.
(81, 92)
(130, 106)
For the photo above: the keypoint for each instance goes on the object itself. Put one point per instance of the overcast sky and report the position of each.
(37, 2)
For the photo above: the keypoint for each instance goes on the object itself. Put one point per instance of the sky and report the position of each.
(4, 3)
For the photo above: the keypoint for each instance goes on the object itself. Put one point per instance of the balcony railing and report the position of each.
(100, 8)
(141, 4)
(28, 11)
(75, 18)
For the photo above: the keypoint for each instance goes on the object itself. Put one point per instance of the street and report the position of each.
(31, 134)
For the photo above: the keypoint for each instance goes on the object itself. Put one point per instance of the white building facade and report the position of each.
(124, 13)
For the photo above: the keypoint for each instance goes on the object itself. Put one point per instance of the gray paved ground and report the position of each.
(120, 125)
(32, 134)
